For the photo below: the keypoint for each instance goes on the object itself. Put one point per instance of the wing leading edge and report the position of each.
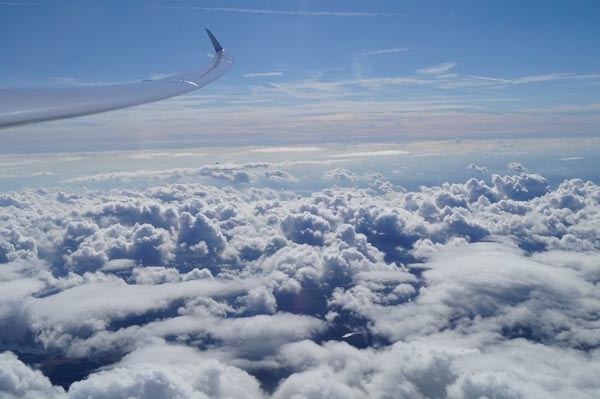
(24, 106)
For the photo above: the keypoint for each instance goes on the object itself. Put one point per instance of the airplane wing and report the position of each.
(24, 106)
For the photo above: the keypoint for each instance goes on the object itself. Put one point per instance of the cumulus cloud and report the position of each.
(19, 381)
(485, 288)
(518, 166)
(280, 176)
(231, 172)
(166, 371)
(477, 168)
(433, 368)
(199, 229)
(341, 174)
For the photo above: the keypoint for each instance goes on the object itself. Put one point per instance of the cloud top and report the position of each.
(359, 289)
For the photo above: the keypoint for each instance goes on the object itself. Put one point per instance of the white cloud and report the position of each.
(567, 159)
(19, 381)
(42, 174)
(438, 69)
(277, 150)
(483, 287)
(434, 368)
(518, 166)
(383, 51)
(368, 154)
(263, 74)
(167, 371)
(235, 173)
(154, 155)
(341, 174)
(477, 168)
(289, 12)
(280, 176)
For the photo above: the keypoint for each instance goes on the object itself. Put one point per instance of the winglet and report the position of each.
(215, 42)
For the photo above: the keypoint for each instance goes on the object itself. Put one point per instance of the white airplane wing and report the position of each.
(24, 106)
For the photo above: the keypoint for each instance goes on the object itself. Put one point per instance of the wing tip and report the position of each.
(214, 41)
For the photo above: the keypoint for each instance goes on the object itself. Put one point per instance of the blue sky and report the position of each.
(308, 70)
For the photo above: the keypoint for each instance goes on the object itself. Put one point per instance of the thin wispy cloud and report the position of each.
(434, 70)
(367, 154)
(555, 76)
(490, 79)
(542, 78)
(263, 74)
(566, 108)
(289, 12)
(71, 81)
(278, 150)
(568, 159)
(384, 51)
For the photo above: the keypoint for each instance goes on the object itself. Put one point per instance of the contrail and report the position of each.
(386, 51)
(289, 12)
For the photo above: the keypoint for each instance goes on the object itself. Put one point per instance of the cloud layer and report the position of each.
(468, 290)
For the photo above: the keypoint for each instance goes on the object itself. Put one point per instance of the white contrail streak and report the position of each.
(289, 12)
(386, 51)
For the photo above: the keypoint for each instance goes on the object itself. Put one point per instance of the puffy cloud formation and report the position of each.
(518, 166)
(465, 290)
(477, 168)
(19, 381)
(341, 175)
(167, 371)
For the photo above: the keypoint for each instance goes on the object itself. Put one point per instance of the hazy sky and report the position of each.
(308, 70)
